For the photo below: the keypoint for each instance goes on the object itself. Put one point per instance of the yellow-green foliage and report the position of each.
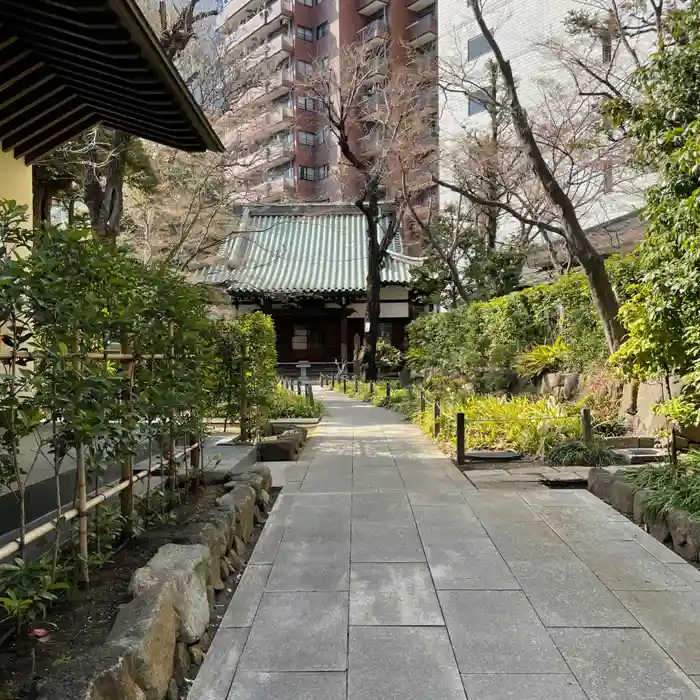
(529, 425)
(542, 358)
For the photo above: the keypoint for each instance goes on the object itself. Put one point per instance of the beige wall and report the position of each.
(16, 180)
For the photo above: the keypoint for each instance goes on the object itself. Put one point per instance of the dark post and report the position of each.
(422, 401)
(460, 439)
(321, 378)
(356, 385)
(436, 417)
(333, 382)
(371, 388)
(311, 394)
(388, 390)
(345, 385)
(298, 387)
(587, 425)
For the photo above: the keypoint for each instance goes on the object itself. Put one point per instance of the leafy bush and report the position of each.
(481, 340)
(388, 356)
(542, 359)
(287, 404)
(670, 486)
(573, 453)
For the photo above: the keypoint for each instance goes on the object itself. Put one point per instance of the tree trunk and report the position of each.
(579, 245)
(369, 359)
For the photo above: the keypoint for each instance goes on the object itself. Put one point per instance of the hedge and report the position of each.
(480, 340)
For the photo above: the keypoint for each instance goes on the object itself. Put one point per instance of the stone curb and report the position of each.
(162, 631)
(676, 529)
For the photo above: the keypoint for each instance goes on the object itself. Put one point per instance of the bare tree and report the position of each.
(548, 152)
(378, 115)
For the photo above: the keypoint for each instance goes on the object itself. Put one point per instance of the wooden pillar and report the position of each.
(344, 338)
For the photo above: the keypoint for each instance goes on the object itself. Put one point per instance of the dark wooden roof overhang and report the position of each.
(68, 65)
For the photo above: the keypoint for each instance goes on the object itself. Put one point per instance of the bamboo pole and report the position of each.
(116, 356)
(126, 497)
(82, 514)
(38, 532)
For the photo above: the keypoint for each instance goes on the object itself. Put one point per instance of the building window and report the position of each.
(385, 330)
(324, 62)
(309, 104)
(308, 3)
(608, 180)
(305, 33)
(323, 136)
(476, 107)
(307, 138)
(304, 67)
(322, 30)
(311, 173)
(477, 46)
(607, 48)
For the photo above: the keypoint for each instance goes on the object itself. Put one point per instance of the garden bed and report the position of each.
(32, 669)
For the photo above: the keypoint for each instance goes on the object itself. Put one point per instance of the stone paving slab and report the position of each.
(622, 664)
(298, 632)
(402, 663)
(522, 686)
(393, 594)
(498, 632)
(216, 673)
(384, 573)
(251, 685)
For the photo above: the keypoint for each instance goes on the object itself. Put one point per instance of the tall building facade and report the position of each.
(527, 32)
(278, 42)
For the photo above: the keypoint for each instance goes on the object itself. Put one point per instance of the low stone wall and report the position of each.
(676, 529)
(282, 442)
(163, 630)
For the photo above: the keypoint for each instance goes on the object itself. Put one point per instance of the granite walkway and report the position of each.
(384, 574)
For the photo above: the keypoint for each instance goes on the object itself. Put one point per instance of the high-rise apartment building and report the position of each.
(527, 32)
(278, 42)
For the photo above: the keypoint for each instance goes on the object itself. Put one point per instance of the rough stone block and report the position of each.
(242, 500)
(196, 654)
(639, 514)
(210, 536)
(265, 473)
(181, 663)
(145, 631)
(621, 496)
(279, 450)
(599, 481)
(685, 534)
(255, 481)
(185, 569)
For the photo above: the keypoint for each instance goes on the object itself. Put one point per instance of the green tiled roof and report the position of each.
(303, 254)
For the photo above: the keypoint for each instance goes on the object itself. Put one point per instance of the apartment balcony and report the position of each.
(425, 64)
(369, 7)
(271, 51)
(374, 34)
(273, 190)
(377, 70)
(280, 83)
(272, 123)
(422, 31)
(235, 10)
(260, 26)
(418, 5)
(372, 107)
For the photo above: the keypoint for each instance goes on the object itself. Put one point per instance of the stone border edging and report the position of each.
(676, 529)
(161, 632)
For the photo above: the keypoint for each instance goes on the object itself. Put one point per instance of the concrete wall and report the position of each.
(16, 181)
(521, 27)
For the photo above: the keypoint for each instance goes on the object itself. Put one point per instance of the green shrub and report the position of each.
(670, 486)
(573, 453)
(542, 359)
(481, 340)
(388, 357)
(287, 404)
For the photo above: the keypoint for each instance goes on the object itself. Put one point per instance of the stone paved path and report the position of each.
(383, 574)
